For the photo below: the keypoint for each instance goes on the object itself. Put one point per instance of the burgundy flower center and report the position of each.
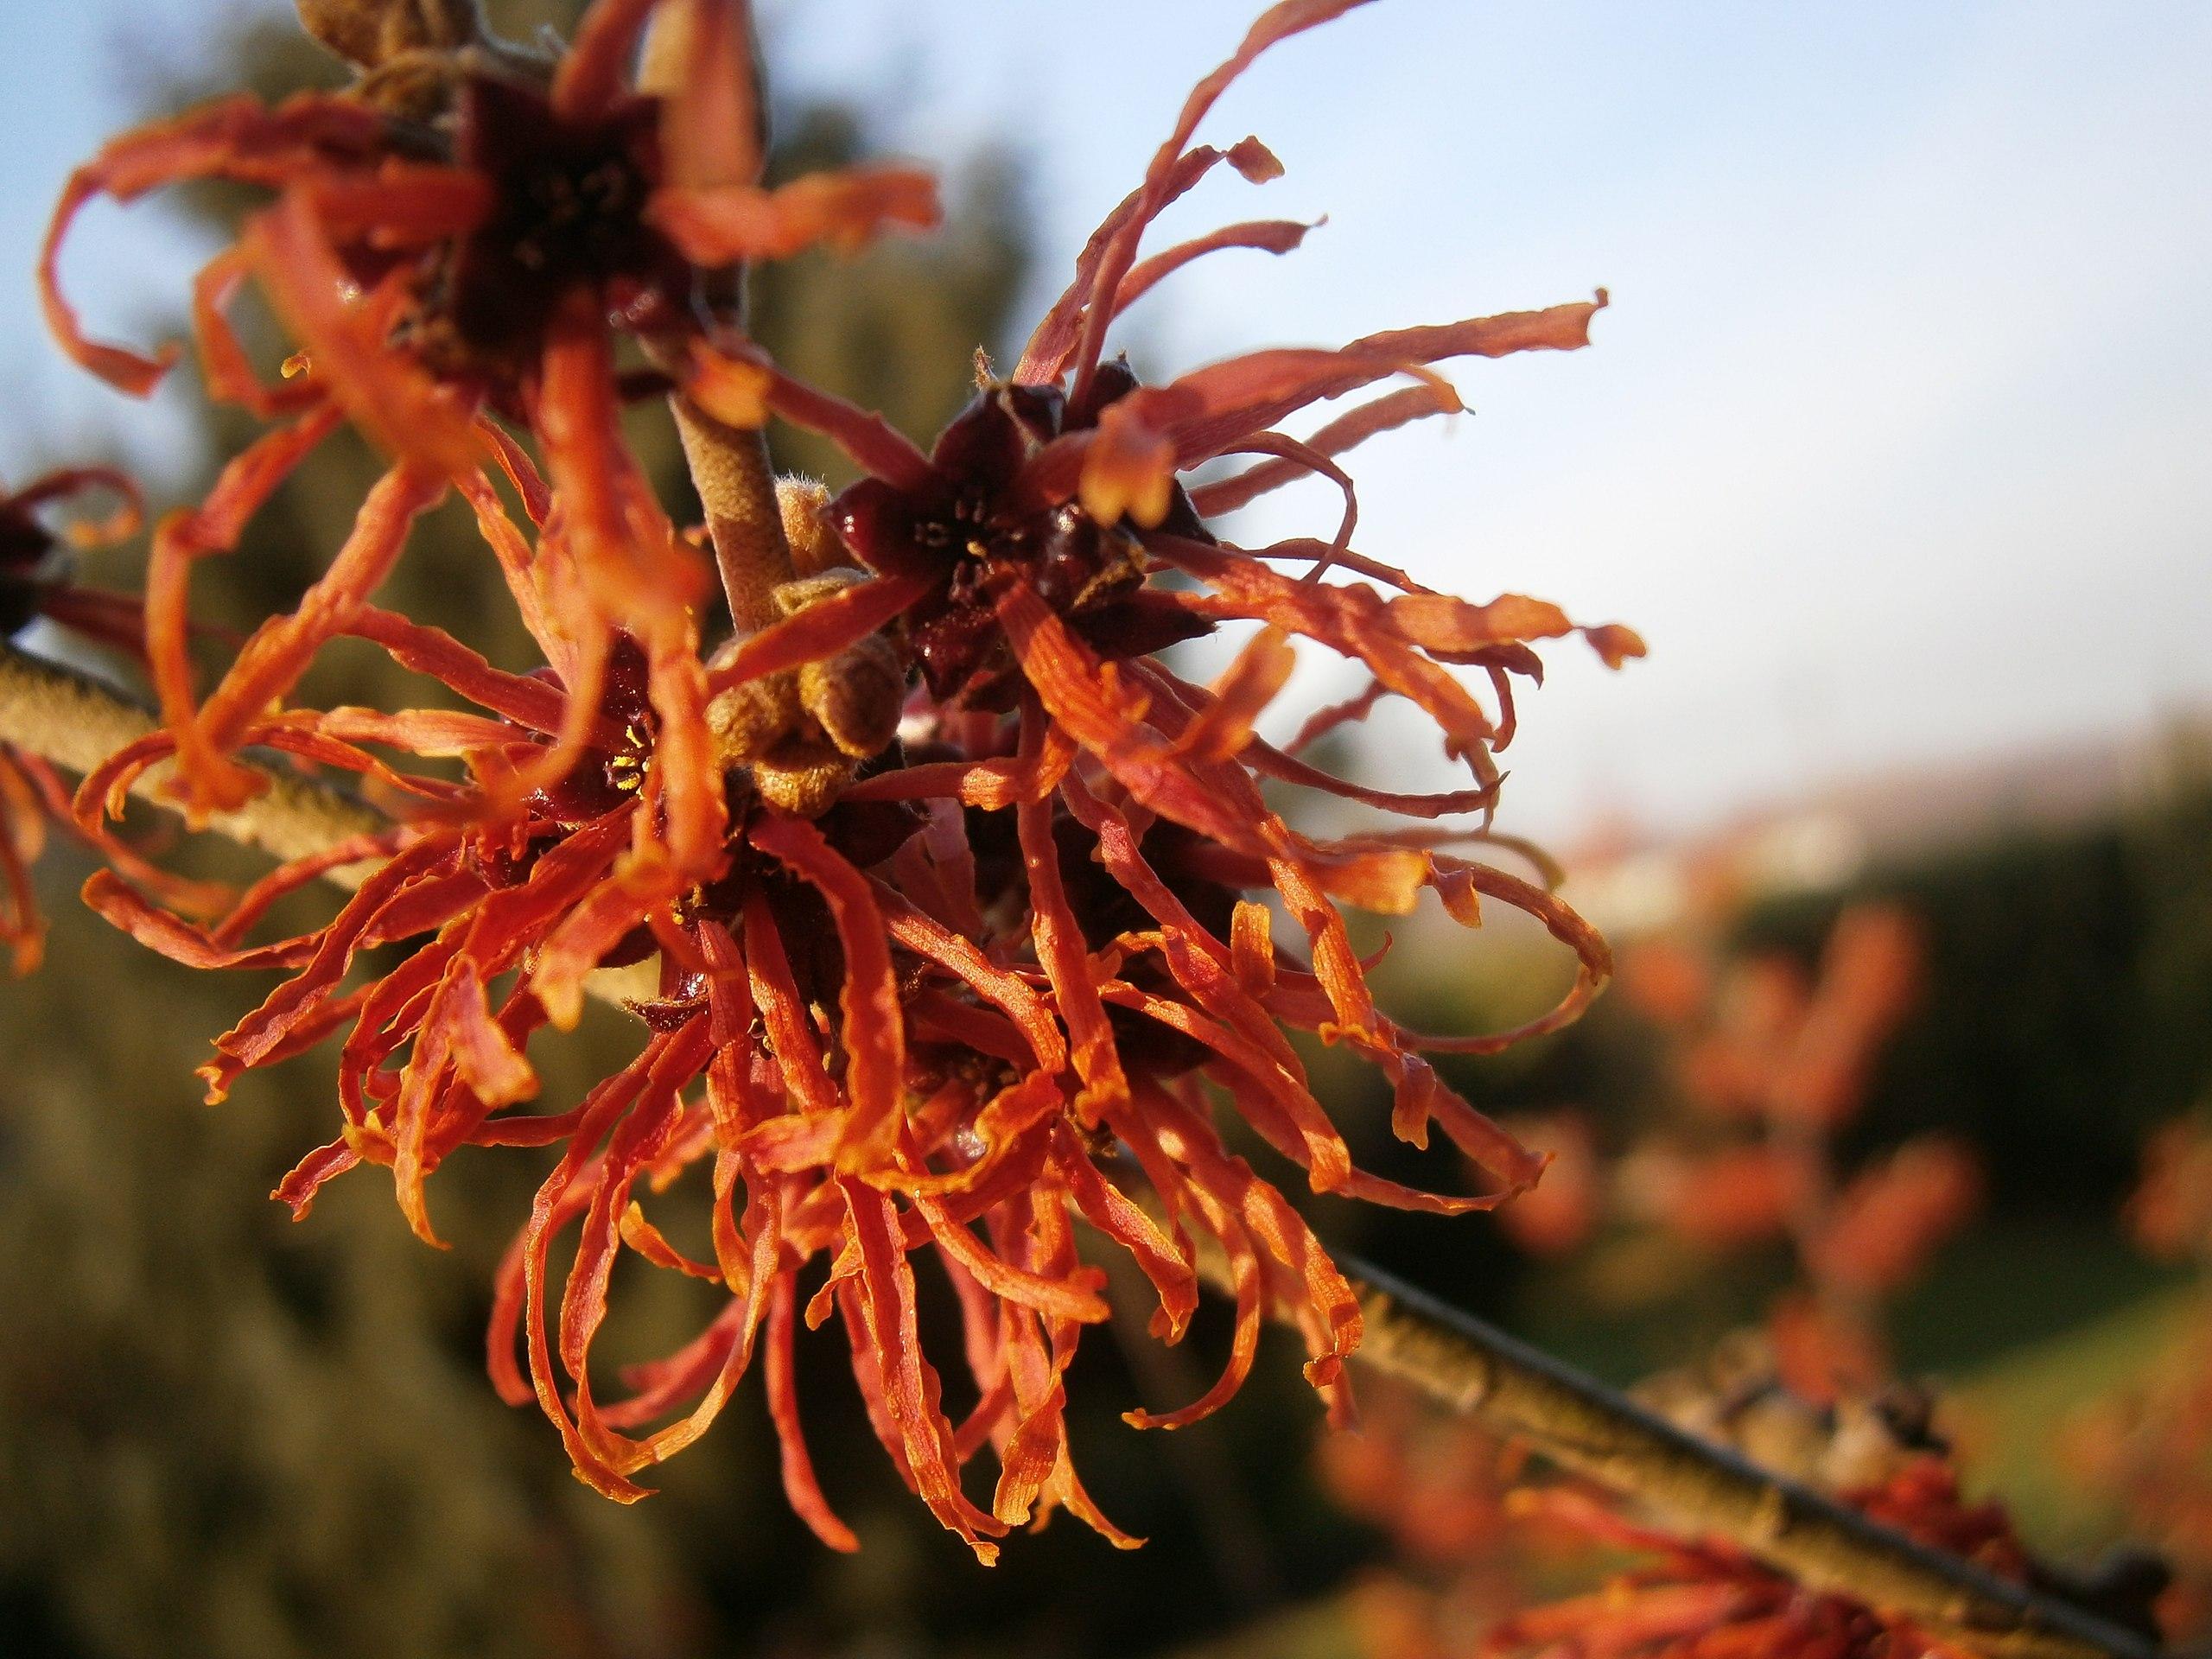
(569, 214)
(604, 777)
(980, 524)
(25, 571)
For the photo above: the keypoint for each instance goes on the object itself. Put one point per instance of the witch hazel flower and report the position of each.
(1034, 545)
(967, 912)
(842, 1059)
(462, 239)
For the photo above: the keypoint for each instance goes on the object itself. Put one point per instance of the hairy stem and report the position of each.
(730, 469)
(1691, 1485)
(75, 722)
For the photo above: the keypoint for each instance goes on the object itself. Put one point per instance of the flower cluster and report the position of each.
(467, 233)
(966, 915)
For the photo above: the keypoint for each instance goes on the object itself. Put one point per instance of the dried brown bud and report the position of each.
(790, 598)
(370, 34)
(804, 777)
(751, 719)
(857, 696)
(803, 502)
(800, 731)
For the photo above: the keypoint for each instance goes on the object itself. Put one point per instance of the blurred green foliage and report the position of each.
(2069, 1001)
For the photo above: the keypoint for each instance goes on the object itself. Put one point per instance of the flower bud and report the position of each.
(369, 33)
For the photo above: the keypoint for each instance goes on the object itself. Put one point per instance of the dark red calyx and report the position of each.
(26, 570)
(634, 946)
(865, 833)
(979, 525)
(678, 1005)
(604, 777)
(508, 863)
(1114, 380)
(1139, 622)
(569, 214)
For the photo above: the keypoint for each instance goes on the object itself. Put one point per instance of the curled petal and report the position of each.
(801, 1488)
(235, 138)
(733, 223)
(1212, 409)
(594, 70)
(821, 630)
(405, 409)
(907, 1392)
(272, 661)
(1278, 23)
(1045, 359)
(1267, 235)
(1379, 415)
(873, 1029)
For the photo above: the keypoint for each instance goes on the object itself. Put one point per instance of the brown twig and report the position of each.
(736, 485)
(1697, 1489)
(1691, 1485)
(75, 722)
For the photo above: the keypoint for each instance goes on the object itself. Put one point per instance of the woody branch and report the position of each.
(1580, 1424)
(1695, 1488)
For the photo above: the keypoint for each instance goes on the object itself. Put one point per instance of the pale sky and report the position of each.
(1897, 442)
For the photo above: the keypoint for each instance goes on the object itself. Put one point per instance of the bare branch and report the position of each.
(1697, 1489)
(75, 722)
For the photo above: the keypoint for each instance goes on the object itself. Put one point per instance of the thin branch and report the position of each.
(1696, 1489)
(73, 720)
(737, 486)
(1692, 1486)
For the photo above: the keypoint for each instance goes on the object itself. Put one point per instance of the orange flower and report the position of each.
(1726, 1199)
(2170, 1214)
(1892, 1216)
(1019, 964)
(1024, 547)
(1870, 982)
(811, 1124)
(438, 271)
(939, 1096)
(1568, 1207)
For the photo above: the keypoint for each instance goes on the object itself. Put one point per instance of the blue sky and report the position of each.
(1897, 442)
